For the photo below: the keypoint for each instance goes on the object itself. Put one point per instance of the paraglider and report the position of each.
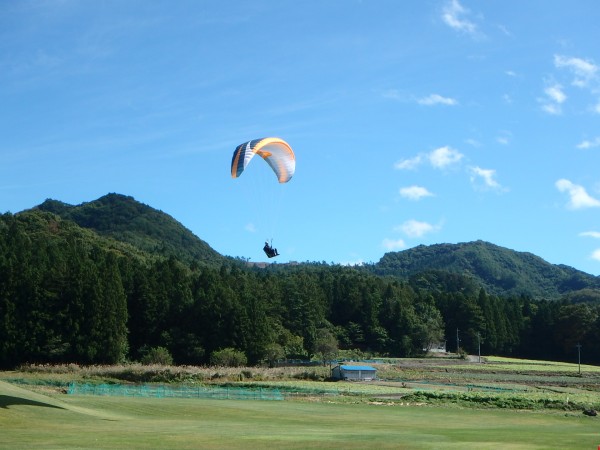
(274, 151)
(269, 250)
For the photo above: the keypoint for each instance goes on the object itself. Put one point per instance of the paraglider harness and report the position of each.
(269, 250)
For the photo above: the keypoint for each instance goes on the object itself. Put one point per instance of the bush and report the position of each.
(157, 355)
(228, 357)
(462, 353)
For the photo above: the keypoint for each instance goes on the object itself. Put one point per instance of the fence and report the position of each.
(162, 391)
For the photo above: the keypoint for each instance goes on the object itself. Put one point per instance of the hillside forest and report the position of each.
(70, 294)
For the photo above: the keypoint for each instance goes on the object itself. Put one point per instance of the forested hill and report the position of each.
(125, 219)
(499, 270)
(76, 285)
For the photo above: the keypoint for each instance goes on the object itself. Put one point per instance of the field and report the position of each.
(423, 404)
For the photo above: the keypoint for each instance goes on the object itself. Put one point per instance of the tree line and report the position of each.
(67, 295)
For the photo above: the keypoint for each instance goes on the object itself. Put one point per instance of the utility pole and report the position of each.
(457, 342)
(479, 346)
(579, 357)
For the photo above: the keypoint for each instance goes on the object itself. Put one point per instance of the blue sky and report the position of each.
(413, 122)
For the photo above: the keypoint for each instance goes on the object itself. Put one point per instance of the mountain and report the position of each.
(468, 265)
(125, 219)
(499, 270)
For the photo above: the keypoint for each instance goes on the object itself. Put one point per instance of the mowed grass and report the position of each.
(525, 365)
(34, 420)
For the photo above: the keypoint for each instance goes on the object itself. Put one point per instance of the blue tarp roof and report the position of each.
(346, 367)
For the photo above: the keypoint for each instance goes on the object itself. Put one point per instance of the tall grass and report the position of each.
(139, 373)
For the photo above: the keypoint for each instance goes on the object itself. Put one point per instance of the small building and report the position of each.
(436, 347)
(354, 373)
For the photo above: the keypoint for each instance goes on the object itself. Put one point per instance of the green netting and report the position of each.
(162, 391)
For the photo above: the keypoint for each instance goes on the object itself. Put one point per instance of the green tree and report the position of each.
(326, 346)
(273, 353)
(114, 312)
(399, 318)
(573, 323)
(157, 355)
(429, 328)
(228, 357)
(306, 307)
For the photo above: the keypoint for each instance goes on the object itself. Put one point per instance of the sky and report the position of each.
(413, 122)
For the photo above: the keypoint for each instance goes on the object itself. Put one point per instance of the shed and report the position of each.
(354, 373)
(436, 347)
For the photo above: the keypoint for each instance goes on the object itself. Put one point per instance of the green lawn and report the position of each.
(30, 419)
(514, 364)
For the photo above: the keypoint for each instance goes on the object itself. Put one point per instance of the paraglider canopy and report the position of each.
(279, 156)
(275, 151)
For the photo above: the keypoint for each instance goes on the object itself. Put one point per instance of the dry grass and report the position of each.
(176, 374)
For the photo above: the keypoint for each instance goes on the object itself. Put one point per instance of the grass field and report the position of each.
(433, 404)
(29, 419)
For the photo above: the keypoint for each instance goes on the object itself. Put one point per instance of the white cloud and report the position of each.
(504, 137)
(393, 94)
(556, 94)
(596, 254)
(393, 244)
(414, 229)
(439, 158)
(455, 16)
(415, 192)
(555, 97)
(551, 108)
(436, 99)
(585, 75)
(487, 176)
(589, 144)
(593, 234)
(444, 156)
(578, 197)
(408, 164)
(583, 70)
(250, 227)
(505, 30)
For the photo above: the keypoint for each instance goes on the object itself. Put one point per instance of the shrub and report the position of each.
(228, 357)
(462, 353)
(157, 355)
